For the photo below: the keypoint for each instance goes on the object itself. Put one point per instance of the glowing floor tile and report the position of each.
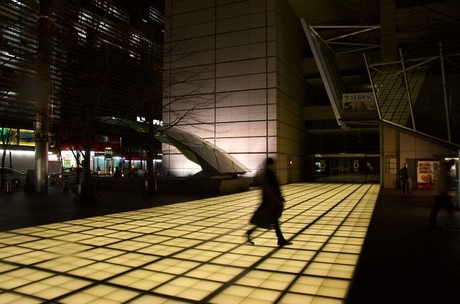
(99, 271)
(198, 290)
(290, 298)
(29, 274)
(238, 294)
(216, 246)
(142, 279)
(13, 239)
(347, 240)
(154, 299)
(150, 238)
(123, 235)
(6, 267)
(321, 286)
(175, 287)
(197, 255)
(99, 254)
(235, 260)
(266, 279)
(74, 237)
(31, 257)
(11, 282)
(191, 249)
(329, 257)
(334, 270)
(132, 259)
(215, 273)
(64, 264)
(312, 246)
(111, 293)
(261, 296)
(83, 297)
(172, 266)
(251, 250)
(43, 291)
(289, 266)
(160, 250)
(14, 298)
(98, 241)
(128, 245)
(125, 227)
(181, 242)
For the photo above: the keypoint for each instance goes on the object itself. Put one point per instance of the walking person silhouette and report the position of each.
(442, 197)
(267, 214)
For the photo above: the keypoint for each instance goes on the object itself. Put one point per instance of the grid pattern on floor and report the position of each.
(194, 252)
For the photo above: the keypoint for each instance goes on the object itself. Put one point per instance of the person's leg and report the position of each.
(434, 212)
(281, 240)
(448, 203)
(248, 234)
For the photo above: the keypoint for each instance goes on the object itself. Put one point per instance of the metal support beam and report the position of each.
(409, 97)
(444, 91)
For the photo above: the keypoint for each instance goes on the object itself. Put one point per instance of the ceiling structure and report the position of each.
(419, 27)
(415, 28)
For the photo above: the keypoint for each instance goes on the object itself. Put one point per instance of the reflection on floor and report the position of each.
(194, 252)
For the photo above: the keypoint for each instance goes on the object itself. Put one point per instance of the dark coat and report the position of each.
(272, 204)
(403, 173)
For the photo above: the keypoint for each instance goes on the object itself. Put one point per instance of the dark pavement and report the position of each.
(402, 260)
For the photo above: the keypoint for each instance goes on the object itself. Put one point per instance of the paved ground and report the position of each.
(20, 209)
(194, 252)
(402, 260)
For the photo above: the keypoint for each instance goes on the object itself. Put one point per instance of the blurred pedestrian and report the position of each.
(267, 214)
(404, 176)
(117, 172)
(442, 197)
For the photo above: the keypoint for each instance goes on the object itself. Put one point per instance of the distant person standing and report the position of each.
(404, 176)
(271, 208)
(442, 199)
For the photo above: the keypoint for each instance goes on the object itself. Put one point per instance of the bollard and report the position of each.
(9, 187)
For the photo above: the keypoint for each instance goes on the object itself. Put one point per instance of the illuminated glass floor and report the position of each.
(194, 252)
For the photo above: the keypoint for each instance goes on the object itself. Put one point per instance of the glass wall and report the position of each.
(347, 168)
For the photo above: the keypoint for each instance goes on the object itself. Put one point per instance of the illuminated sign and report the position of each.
(108, 153)
(358, 102)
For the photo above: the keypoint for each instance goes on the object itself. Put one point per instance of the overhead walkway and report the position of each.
(193, 252)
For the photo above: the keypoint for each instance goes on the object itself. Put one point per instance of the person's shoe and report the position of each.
(248, 236)
(284, 243)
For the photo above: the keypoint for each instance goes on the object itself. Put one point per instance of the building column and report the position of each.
(43, 101)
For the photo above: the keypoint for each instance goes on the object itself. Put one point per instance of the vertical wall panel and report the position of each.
(256, 110)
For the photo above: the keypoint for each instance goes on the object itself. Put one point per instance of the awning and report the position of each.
(211, 158)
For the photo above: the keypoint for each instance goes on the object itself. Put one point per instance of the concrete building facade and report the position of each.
(233, 76)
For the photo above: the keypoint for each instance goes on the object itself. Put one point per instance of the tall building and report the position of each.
(105, 59)
(233, 76)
